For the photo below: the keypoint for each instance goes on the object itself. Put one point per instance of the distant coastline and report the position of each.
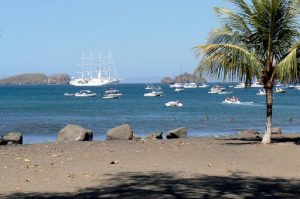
(36, 79)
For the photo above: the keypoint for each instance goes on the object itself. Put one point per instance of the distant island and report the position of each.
(184, 78)
(36, 79)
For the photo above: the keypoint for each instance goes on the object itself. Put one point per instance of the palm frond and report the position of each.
(227, 61)
(289, 68)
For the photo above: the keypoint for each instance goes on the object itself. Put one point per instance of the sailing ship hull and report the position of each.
(94, 82)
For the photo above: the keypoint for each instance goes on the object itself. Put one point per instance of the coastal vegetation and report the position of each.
(184, 78)
(259, 40)
(36, 79)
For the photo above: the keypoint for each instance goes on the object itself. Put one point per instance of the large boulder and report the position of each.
(74, 133)
(12, 138)
(177, 133)
(276, 130)
(155, 135)
(123, 132)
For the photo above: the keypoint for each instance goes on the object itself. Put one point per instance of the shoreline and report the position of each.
(213, 167)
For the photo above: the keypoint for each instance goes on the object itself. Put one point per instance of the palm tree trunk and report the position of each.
(269, 101)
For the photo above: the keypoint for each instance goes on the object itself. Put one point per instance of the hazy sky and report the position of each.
(149, 39)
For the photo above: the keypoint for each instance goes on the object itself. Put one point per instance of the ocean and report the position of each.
(40, 112)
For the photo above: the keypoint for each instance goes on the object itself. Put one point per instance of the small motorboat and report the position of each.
(279, 90)
(216, 89)
(112, 94)
(85, 93)
(203, 86)
(261, 92)
(179, 89)
(190, 85)
(233, 100)
(174, 104)
(154, 93)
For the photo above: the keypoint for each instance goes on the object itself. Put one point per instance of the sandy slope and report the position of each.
(182, 168)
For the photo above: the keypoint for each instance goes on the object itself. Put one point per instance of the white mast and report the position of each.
(82, 64)
(109, 64)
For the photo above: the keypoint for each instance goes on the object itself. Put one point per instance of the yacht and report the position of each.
(96, 71)
(216, 89)
(203, 85)
(174, 104)
(190, 85)
(257, 85)
(85, 93)
(240, 85)
(179, 89)
(154, 93)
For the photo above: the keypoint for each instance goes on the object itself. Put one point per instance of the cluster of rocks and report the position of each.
(76, 133)
(123, 132)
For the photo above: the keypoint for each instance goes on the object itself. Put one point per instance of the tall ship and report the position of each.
(96, 71)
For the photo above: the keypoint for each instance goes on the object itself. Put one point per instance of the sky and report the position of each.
(149, 39)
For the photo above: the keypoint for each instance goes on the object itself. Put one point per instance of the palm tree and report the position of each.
(260, 40)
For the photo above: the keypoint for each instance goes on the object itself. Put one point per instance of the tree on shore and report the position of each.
(259, 40)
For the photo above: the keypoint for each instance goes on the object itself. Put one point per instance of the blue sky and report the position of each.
(149, 39)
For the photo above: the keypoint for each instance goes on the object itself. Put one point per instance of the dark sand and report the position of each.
(230, 167)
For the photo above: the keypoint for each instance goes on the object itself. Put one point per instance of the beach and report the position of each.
(223, 167)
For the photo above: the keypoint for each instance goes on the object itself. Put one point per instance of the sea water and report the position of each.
(39, 112)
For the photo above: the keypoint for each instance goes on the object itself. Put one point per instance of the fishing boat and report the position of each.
(96, 71)
(233, 100)
(85, 93)
(174, 104)
(261, 92)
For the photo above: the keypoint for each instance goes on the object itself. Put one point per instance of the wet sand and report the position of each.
(227, 167)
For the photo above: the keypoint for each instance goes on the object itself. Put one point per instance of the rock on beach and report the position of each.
(123, 132)
(12, 138)
(74, 133)
(177, 133)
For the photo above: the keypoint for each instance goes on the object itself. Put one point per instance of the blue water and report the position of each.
(39, 112)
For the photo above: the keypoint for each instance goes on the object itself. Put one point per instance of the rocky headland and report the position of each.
(36, 79)
(184, 78)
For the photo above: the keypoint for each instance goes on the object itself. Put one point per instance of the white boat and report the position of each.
(96, 72)
(224, 92)
(203, 85)
(190, 85)
(257, 85)
(111, 94)
(174, 104)
(261, 92)
(297, 87)
(216, 89)
(233, 100)
(240, 85)
(149, 87)
(279, 90)
(85, 93)
(154, 93)
(179, 89)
